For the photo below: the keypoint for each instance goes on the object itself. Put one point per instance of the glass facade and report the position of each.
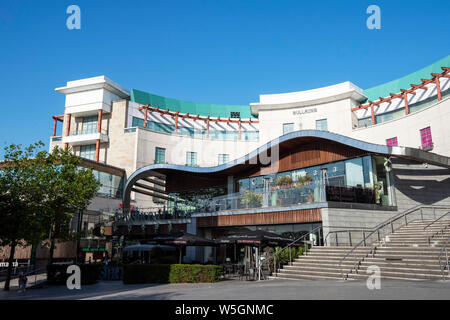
(364, 180)
(288, 127)
(322, 125)
(89, 125)
(223, 158)
(392, 115)
(191, 159)
(359, 180)
(160, 155)
(88, 151)
(195, 132)
(293, 231)
(112, 185)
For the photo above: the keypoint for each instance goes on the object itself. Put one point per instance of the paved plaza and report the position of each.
(243, 290)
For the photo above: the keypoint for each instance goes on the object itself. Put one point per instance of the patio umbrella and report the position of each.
(180, 239)
(257, 237)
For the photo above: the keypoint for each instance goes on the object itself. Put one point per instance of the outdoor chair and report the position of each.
(243, 272)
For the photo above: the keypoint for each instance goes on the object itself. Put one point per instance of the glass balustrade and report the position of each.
(86, 131)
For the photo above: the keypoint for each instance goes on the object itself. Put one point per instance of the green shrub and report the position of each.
(193, 273)
(57, 273)
(171, 273)
(283, 256)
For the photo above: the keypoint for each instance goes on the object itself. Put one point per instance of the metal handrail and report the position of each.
(441, 230)
(15, 276)
(447, 263)
(345, 230)
(388, 222)
(273, 256)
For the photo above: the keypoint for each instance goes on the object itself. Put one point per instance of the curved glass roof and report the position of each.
(394, 86)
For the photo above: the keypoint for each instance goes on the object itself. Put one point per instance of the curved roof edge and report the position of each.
(402, 152)
(203, 109)
(394, 86)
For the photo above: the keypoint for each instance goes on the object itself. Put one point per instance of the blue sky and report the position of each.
(206, 51)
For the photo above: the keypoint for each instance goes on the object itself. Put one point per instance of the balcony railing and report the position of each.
(83, 132)
(277, 197)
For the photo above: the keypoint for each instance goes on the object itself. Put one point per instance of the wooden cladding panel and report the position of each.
(310, 155)
(276, 217)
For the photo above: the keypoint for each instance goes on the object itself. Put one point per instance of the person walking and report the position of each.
(22, 282)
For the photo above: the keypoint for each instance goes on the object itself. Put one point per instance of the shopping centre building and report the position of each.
(337, 157)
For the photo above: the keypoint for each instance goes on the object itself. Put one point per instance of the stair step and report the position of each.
(407, 255)
(303, 277)
(404, 275)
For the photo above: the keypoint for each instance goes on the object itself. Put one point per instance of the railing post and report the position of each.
(392, 227)
(275, 264)
(290, 256)
(434, 212)
(335, 235)
(378, 233)
(349, 238)
(406, 221)
(319, 241)
(421, 213)
(446, 259)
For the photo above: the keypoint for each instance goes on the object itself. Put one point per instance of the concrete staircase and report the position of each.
(403, 255)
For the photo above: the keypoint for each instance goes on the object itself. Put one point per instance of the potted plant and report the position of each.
(284, 181)
(252, 199)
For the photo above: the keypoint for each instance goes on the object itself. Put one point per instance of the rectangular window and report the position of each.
(88, 151)
(322, 125)
(235, 114)
(427, 140)
(160, 155)
(393, 142)
(191, 159)
(288, 127)
(89, 125)
(223, 158)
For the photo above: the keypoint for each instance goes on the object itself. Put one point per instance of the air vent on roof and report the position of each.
(235, 114)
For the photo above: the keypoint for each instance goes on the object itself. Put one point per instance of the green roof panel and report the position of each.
(193, 108)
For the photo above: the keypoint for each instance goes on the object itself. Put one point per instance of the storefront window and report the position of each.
(354, 173)
(352, 180)
(382, 181)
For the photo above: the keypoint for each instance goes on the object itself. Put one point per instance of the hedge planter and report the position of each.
(171, 273)
(57, 273)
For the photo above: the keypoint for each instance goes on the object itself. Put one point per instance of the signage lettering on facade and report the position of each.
(303, 111)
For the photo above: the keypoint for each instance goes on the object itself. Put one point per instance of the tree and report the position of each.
(68, 189)
(39, 194)
(20, 195)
